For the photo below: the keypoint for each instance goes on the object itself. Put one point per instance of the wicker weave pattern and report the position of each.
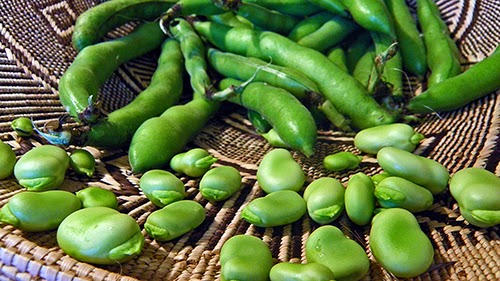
(34, 52)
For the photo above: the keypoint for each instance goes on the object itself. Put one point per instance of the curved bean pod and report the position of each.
(7, 160)
(265, 18)
(308, 25)
(332, 6)
(299, 8)
(372, 15)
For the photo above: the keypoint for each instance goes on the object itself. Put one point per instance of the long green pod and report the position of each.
(308, 25)
(80, 84)
(364, 68)
(165, 89)
(410, 41)
(332, 6)
(391, 73)
(338, 55)
(265, 18)
(443, 55)
(299, 8)
(293, 81)
(372, 15)
(231, 19)
(288, 116)
(183, 8)
(455, 92)
(344, 91)
(93, 24)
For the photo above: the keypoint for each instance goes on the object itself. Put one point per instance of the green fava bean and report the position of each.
(220, 183)
(39, 211)
(7, 160)
(324, 199)
(82, 162)
(162, 187)
(329, 246)
(399, 244)
(418, 169)
(340, 161)
(379, 177)
(275, 209)
(394, 192)
(287, 271)
(94, 196)
(477, 192)
(400, 135)
(278, 170)
(359, 199)
(193, 163)
(174, 220)
(23, 126)
(100, 235)
(245, 258)
(42, 168)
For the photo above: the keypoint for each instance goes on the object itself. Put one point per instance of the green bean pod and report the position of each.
(356, 47)
(277, 208)
(274, 139)
(231, 19)
(287, 115)
(94, 196)
(258, 122)
(287, 271)
(100, 235)
(399, 135)
(116, 129)
(23, 126)
(396, 192)
(336, 7)
(174, 220)
(308, 25)
(344, 91)
(245, 258)
(324, 200)
(82, 162)
(193, 163)
(265, 18)
(410, 41)
(364, 69)
(329, 34)
(391, 73)
(299, 8)
(476, 192)
(372, 15)
(42, 168)
(278, 170)
(183, 8)
(359, 199)
(338, 55)
(39, 211)
(329, 246)
(261, 71)
(79, 85)
(418, 169)
(7, 160)
(455, 92)
(340, 161)
(162, 187)
(93, 24)
(220, 183)
(443, 55)
(399, 244)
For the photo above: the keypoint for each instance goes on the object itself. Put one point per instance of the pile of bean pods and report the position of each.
(293, 66)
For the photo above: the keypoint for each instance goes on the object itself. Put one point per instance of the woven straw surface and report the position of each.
(34, 52)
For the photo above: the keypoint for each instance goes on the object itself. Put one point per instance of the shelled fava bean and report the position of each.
(7, 160)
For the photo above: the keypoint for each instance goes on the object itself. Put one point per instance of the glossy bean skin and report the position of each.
(100, 235)
(410, 41)
(7, 160)
(297, 272)
(338, 55)
(443, 55)
(399, 135)
(332, 6)
(340, 161)
(231, 19)
(79, 85)
(359, 199)
(220, 183)
(162, 187)
(476, 191)
(277, 208)
(285, 52)
(324, 199)
(329, 246)
(174, 220)
(245, 258)
(194, 162)
(299, 8)
(396, 192)
(183, 8)
(94, 23)
(23, 126)
(357, 46)
(455, 92)
(42, 168)
(372, 15)
(278, 170)
(82, 162)
(399, 244)
(364, 69)
(392, 72)
(164, 90)
(265, 18)
(258, 122)
(94, 196)
(290, 118)
(34, 211)
(308, 25)
(418, 169)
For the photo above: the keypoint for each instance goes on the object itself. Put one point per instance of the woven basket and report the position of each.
(35, 50)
